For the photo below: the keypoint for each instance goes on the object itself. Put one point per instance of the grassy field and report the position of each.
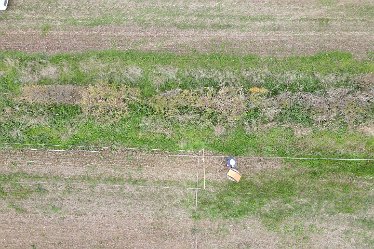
(314, 106)
(318, 105)
(248, 78)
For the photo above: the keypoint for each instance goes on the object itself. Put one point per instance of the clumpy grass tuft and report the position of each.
(303, 190)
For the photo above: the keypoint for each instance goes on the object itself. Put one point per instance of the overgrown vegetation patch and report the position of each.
(306, 190)
(158, 99)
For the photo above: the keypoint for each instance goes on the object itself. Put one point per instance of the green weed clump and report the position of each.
(226, 103)
(307, 190)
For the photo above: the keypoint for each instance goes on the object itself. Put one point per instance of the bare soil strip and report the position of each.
(262, 27)
(80, 202)
(125, 164)
(278, 43)
(98, 218)
(133, 199)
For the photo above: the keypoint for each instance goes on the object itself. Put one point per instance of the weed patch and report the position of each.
(290, 193)
(102, 100)
(225, 103)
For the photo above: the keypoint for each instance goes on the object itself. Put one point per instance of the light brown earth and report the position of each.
(92, 200)
(133, 199)
(262, 27)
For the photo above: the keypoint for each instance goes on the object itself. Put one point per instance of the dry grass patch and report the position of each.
(52, 94)
(164, 74)
(219, 77)
(367, 129)
(366, 81)
(36, 71)
(133, 74)
(156, 125)
(113, 71)
(104, 101)
(97, 101)
(228, 102)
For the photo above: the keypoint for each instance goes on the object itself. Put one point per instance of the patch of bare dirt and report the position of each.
(366, 81)
(103, 217)
(126, 164)
(275, 43)
(367, 129)
(262, 27)
(70, 210)
(84, 199)
(120, 217)
(60, 94)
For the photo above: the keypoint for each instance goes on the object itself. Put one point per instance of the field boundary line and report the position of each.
(193, 154)
(76, 183)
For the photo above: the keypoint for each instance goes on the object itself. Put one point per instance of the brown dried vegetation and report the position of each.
(59, 94)
(228, 102)
(104, 102)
